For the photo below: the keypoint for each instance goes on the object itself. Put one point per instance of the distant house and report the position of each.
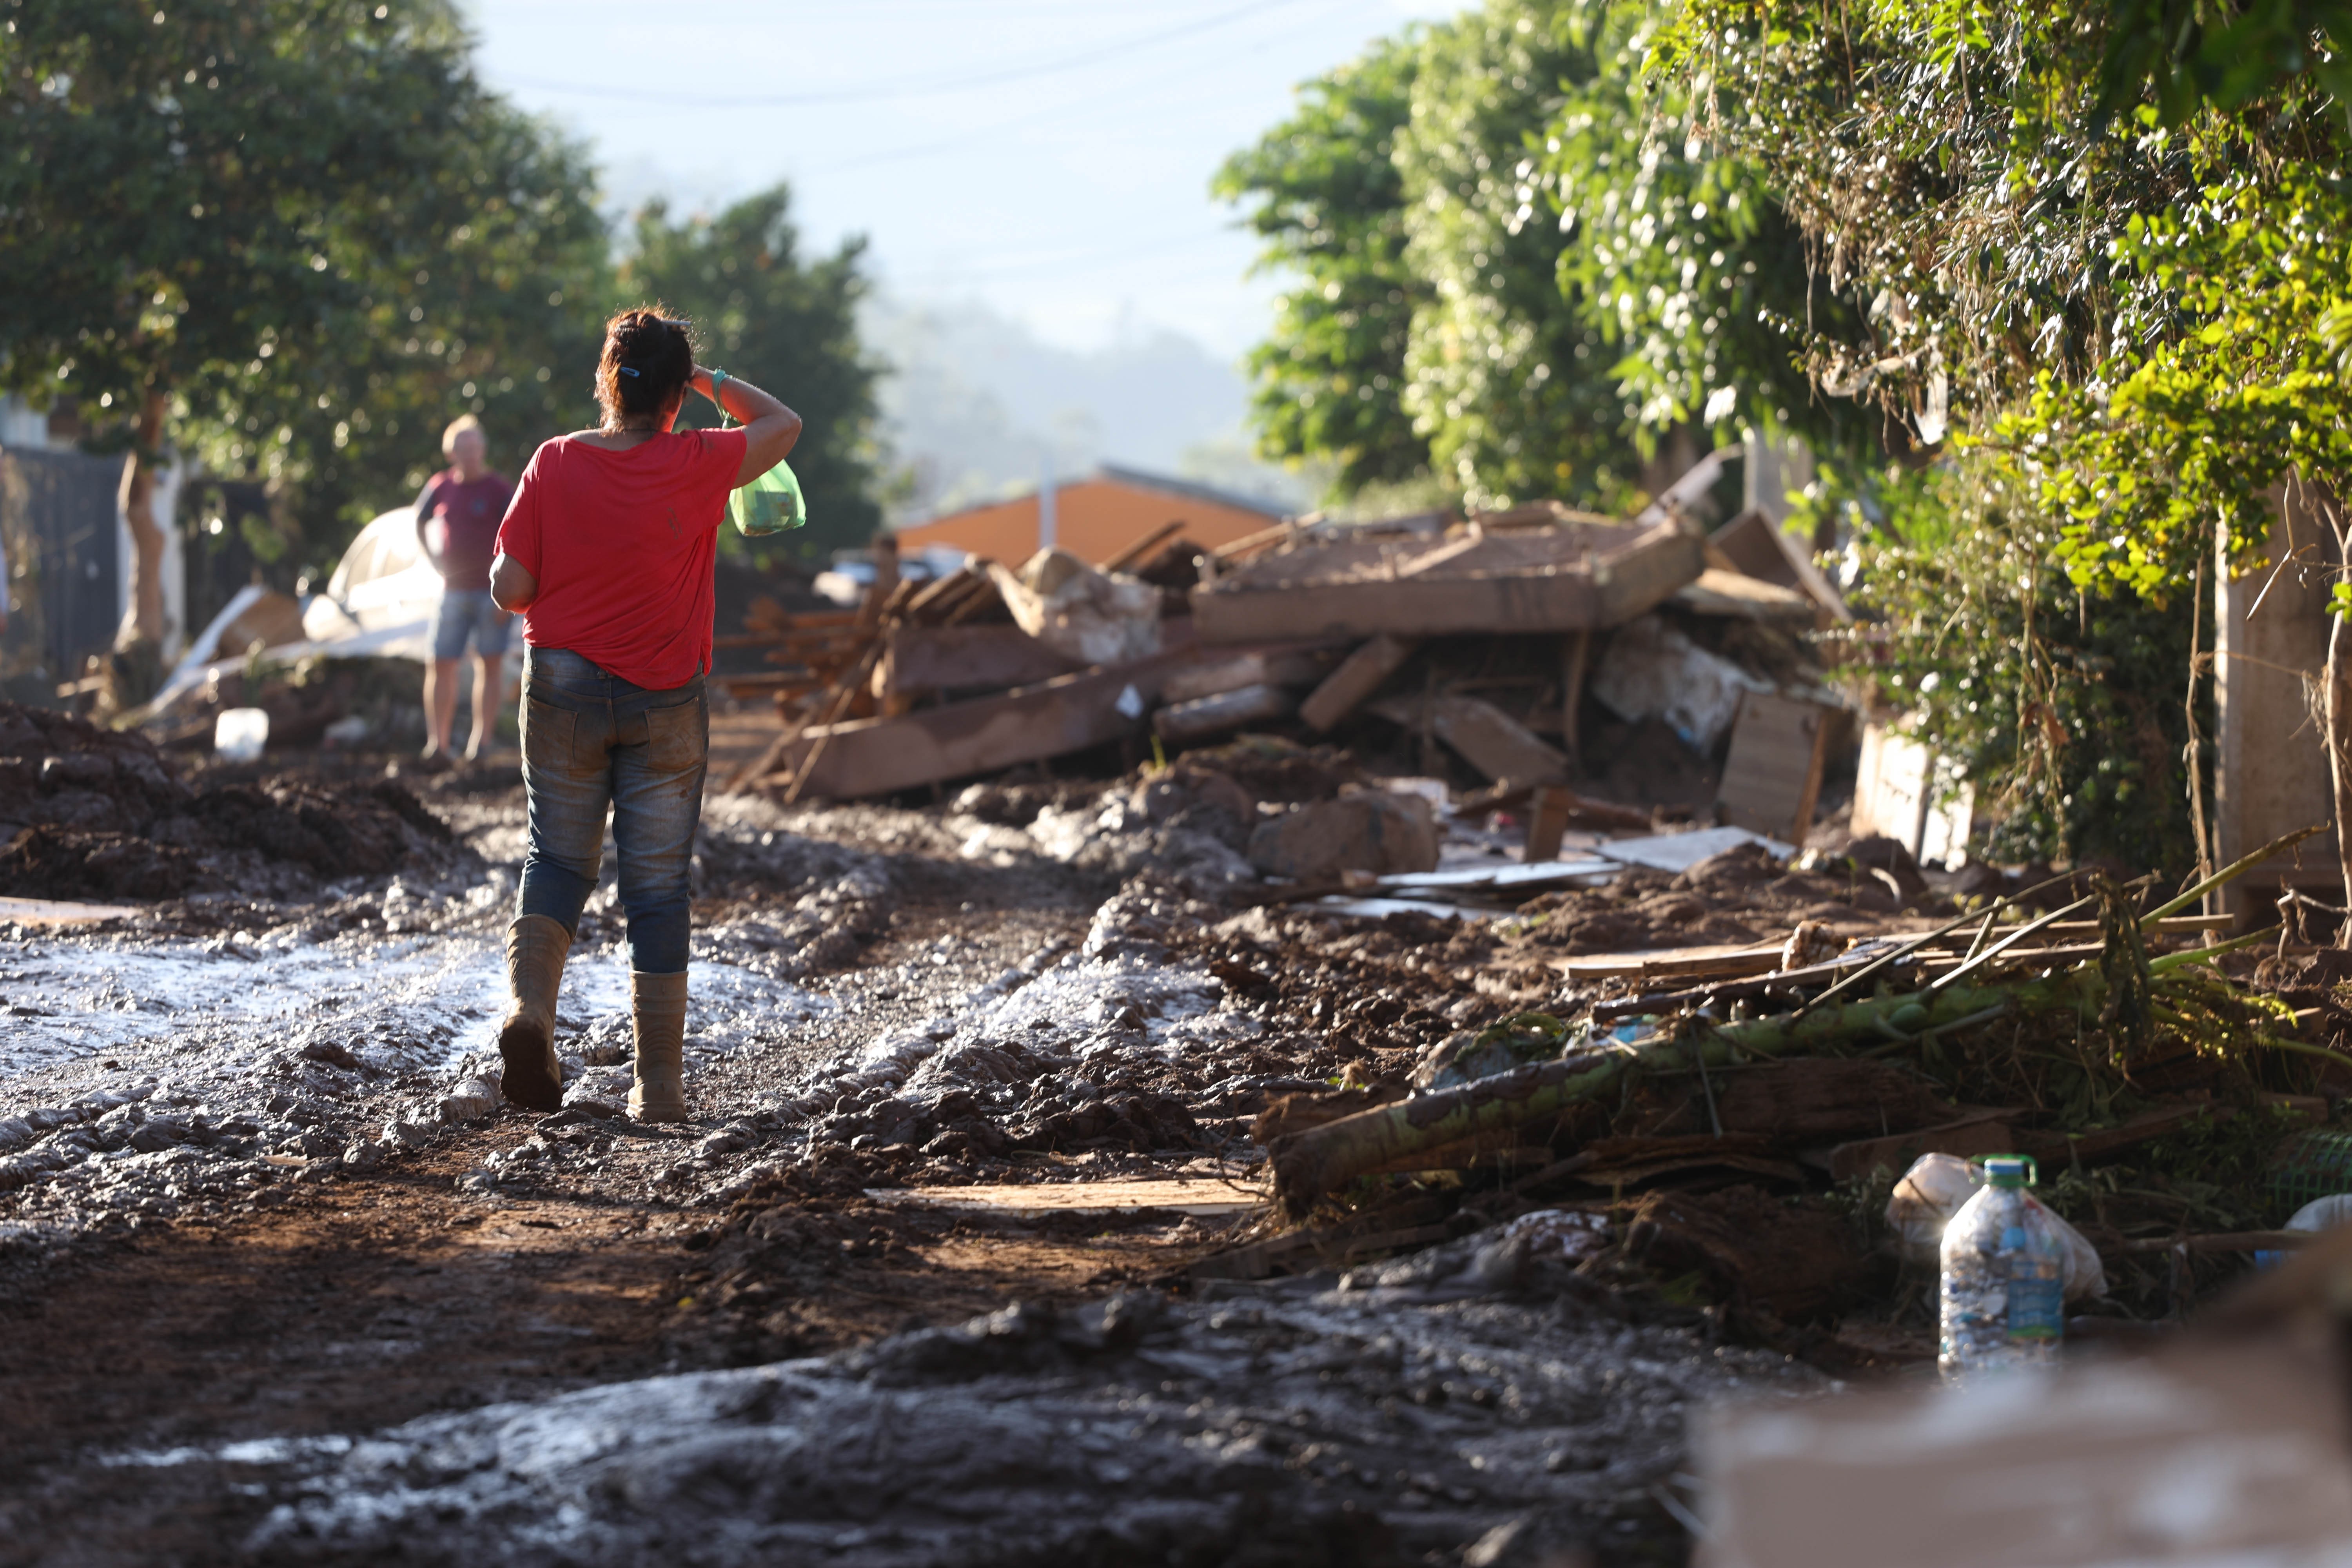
(1094, 518)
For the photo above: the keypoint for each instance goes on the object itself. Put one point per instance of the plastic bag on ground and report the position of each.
(2318, 1215)
(1932, 1190)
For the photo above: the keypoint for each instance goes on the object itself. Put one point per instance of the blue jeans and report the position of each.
(463, 614)
(591, 740)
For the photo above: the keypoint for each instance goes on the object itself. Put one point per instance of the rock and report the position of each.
(363, 1155)
(1370, 830)
(404, 1129)
(1880, 853)
(471, 1100)
(1741, 866)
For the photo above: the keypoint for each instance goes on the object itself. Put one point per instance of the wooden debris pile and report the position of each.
(2105, 1036)
(1485, 637)
(933, 681)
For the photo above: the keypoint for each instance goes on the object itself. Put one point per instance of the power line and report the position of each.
(967, 135)
(881, 93)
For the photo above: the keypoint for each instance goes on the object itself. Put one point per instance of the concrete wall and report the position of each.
(2271, 773)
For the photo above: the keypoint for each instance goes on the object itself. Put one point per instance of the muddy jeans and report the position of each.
(591, 740)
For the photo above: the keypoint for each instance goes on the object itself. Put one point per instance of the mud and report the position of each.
(1320, 1426)
(98, 814)
(285, 1280)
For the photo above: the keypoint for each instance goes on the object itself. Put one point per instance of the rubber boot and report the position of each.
(657, 1004)
(536, 949)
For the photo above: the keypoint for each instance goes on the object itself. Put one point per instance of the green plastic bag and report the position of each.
(772, 503)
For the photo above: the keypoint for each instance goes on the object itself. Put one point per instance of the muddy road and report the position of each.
(282, 1280)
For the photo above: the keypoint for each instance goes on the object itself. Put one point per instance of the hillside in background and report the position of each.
(975, 404)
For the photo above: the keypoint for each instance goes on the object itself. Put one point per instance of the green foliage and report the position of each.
(1521, 265)
(2064, 703)
(2187, 54)
(2101, 234)
(305, 224)
(1330, 207)
(788, 326)
(1943, 166)
(2244, 389)
(1682, 255)
(1508, 376)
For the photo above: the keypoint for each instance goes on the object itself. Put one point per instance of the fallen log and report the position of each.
(1319, 1160)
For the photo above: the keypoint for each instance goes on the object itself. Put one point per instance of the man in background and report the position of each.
(457, 518)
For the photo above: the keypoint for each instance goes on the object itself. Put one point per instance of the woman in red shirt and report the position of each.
(607, 550)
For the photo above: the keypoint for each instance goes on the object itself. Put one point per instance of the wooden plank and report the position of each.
(2228, 1241)
(1572, 578)
(938, 658)
(1575, 660)
(1261, 667)
(1673, 964)
(1204, 1195)
(1222, 713)
(1735, 595)
(1127, 559)
(1986, 1132)
(1359, 676)
(1555, 808)
(1754, 544)
(876, 756)
(2270, 772)
(1773, 774)
(1546, 825)
(60, 912)
(1488, 738)
(2056, 1149)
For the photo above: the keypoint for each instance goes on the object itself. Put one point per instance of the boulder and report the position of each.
(1365, 830)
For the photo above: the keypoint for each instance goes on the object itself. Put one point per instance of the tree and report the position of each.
(788, 325)
(1519, 267)
(1509, 376)
(2122, 244)
(291, 232)
(1691, 268)
(1329, 205)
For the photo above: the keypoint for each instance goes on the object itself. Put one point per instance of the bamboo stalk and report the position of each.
(2230, 872)
(2011, 939)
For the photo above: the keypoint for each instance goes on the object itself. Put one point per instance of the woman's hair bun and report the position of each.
(648, 358)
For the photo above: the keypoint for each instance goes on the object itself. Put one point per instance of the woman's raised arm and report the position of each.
(769, 427)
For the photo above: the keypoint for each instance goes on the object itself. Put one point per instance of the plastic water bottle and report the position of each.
(2005, 1276)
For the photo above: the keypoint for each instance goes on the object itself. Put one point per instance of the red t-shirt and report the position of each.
(622, 545)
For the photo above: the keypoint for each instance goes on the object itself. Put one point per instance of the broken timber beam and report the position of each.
(1562, 579)
(1359, 676)
(932, 746)
(1488, 738)
(940, 658)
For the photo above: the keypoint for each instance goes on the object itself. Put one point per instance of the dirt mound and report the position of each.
(48, 861)
(87, 812)
(335, 831)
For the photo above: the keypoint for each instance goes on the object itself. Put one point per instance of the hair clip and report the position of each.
(629, 370)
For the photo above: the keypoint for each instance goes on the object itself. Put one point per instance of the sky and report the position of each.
(1047, 159)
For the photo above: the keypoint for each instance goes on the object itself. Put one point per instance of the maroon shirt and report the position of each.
(461, 520)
